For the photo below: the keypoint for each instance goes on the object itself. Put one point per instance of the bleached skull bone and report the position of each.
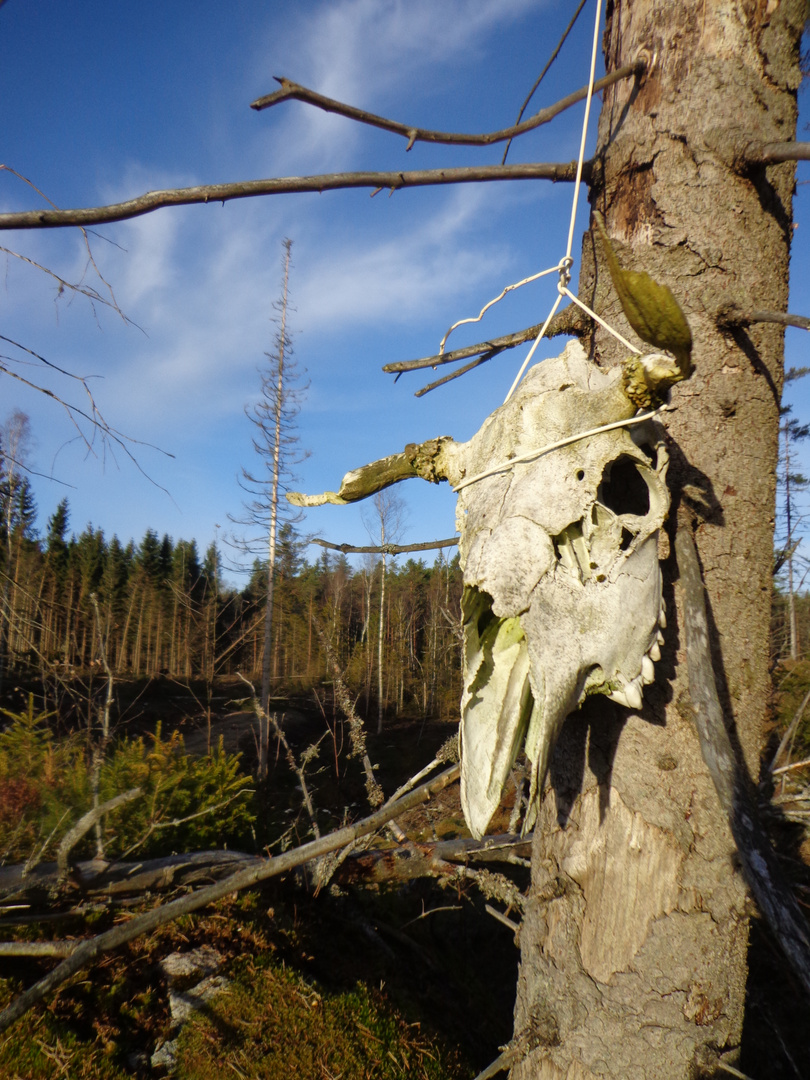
(562, 581)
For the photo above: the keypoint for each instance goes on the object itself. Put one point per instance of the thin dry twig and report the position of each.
(110, 436)
(92, 294)
(501, 918)
(294, 91)
(571, 320)
(454, 375)
(790, 733)
(86, 823)
(248, 189)
(357, 731)
(297, 768)
(88, 951)
(795, 765)
(542, 74)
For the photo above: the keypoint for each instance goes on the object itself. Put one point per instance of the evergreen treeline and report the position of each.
(73, 602)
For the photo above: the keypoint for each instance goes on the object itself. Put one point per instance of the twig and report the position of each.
(732, 1071)
(414, 780)
(542, 74)
(155, 826)
(91, 294)
(454, 374)
(431, 911)
(501, 1063)
(248, 189)
(771, 153)
(387, 549)
(760, 864)
(37, 948)
(297, 769)
(150, 920)
(293, 91)
(501, 918)
(86, 823)
(570, 320)
(33, 860)
(787, 738)
(731, 315)
(357, 732)
(795, 765)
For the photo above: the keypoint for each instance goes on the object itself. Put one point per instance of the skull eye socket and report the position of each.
(623, 489)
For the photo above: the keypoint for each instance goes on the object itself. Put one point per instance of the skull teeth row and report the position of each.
(629, 693)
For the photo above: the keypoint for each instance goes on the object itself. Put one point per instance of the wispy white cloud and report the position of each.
(368, 53)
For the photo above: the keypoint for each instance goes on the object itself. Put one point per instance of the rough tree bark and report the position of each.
(634, 941)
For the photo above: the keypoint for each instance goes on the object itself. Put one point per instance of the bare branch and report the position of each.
(86, 823)
(542, 74)
(248, 189)
(120, 881)
(571, 320)
(37, 948)
(357, 731)
(88, 951)
(772, 153)
(730, 316)
(386, 549)
(293, 91)
(453, 375)
(90, 293)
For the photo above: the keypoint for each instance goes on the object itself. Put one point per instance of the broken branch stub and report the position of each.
(433, 460)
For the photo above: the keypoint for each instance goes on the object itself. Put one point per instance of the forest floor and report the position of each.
(404, 980)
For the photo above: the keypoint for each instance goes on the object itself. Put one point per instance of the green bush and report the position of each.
(44, 785)
(186, 802)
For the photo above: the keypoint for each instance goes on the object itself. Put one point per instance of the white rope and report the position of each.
(530, 455)
(567, 292)
(525, 363)
(486, 307)
(581, 158)
(567, 261)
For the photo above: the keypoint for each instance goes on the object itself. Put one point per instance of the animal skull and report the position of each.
(562, 594)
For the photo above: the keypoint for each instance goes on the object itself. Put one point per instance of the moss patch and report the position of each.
(273, 1024)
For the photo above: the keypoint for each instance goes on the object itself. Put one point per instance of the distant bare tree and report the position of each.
(273, 417)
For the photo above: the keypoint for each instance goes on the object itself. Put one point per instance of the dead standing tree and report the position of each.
(273, 417)
(634, 940)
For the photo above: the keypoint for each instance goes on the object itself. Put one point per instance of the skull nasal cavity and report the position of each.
(623, 489)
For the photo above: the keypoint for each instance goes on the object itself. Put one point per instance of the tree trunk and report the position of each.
(634, 942)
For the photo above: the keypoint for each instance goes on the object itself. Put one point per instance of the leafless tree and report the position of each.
(273, 418)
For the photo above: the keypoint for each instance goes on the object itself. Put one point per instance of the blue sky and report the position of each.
(100, 103)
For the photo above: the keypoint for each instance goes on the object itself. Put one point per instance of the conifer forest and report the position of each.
(79, 603)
